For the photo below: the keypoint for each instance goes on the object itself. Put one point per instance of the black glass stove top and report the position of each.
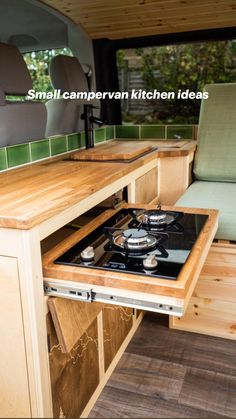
(169, 245)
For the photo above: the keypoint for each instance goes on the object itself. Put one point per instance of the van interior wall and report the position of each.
(33, 26)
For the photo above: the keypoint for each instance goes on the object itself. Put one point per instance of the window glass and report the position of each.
(38, 65)
(170, 68)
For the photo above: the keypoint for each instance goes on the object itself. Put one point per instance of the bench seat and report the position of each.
(216, 195)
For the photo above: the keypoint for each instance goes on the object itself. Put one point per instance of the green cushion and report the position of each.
(216, 195)
(215, 158)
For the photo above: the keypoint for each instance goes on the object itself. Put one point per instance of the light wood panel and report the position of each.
(174, 177)
(115, 150)
(131, 18)
(71, 319)
(146, 187)
(117, 322)
(14, 386)
(212, 308)
(74, 375)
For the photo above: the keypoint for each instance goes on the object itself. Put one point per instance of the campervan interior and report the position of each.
(117, 208)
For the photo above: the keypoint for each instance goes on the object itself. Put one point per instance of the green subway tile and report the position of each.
(58, 145)
(99, 135)
(82, 136)
(40, 150)
(18, 154)
(127, 131)
(180, 131)
(153, 131)
(75, 141)
(110, 132)
(3, 159)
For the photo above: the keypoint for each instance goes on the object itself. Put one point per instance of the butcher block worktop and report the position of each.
(38, 192)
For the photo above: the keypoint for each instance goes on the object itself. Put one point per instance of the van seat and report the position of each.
(216, 195)
(20, 121)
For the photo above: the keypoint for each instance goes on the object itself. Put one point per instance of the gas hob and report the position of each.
(151, 243)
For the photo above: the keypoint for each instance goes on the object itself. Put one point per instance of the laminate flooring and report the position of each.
(167, 373)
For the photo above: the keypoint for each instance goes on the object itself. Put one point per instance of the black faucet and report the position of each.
(89, 120)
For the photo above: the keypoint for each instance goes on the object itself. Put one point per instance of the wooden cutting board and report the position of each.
(115, 150)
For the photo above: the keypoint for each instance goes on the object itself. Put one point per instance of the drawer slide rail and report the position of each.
(89, 295)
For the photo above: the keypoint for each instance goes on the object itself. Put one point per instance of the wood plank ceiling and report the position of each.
(116, 19)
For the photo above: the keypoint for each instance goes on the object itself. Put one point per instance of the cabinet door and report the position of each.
(75, 374)
(14, 389)
(117, 322)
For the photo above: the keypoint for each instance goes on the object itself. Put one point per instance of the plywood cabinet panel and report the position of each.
(74, 375)
(71, 319)
(146, 187)
(14, 389)
(212, 308)
(117, 322)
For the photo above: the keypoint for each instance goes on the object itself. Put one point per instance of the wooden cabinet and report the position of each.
(146, 187)
(74, 375)
(174, 177)
(212, 307)
(79, 374)
(117, 322)
(14, 394)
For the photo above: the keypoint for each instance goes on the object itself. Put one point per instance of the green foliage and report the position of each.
(189, 66)
(38, 65)
(120, 57)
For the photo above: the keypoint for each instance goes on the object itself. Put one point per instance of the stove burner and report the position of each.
(156, 220)
(133, 241)
(155, 217)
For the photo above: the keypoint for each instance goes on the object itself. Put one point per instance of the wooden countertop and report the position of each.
(35, 193)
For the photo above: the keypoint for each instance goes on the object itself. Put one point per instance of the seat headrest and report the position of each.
(67, 74)
(14, 75)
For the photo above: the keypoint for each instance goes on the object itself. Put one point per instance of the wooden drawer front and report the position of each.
(74, 375)
(117, 322)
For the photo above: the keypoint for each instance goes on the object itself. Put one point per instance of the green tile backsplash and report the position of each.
(18, 154)
(99, 135)
(40, 150)
(58, 145)
(110, 132)
(153, 131)
(180, 131)
(3, 159)
(127, 131)
(34, 151)
(75, 141)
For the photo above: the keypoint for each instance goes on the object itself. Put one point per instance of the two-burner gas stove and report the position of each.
(136, 257)
(153, 243)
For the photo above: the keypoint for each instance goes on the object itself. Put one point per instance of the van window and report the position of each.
(170, 68)
(38, 65)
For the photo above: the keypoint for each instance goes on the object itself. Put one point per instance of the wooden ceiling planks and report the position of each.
(115, 19)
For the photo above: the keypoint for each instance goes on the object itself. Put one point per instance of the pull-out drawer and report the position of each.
(150, 293)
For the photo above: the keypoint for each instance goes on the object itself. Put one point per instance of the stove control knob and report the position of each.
(87, 255)
(150, 263)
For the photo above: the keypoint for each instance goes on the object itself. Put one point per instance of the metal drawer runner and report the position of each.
(77, 292)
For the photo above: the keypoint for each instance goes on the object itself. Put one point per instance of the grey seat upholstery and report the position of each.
(20, 121)
(64, 115)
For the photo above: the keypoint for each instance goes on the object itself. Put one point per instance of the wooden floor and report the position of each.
(171, 374)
